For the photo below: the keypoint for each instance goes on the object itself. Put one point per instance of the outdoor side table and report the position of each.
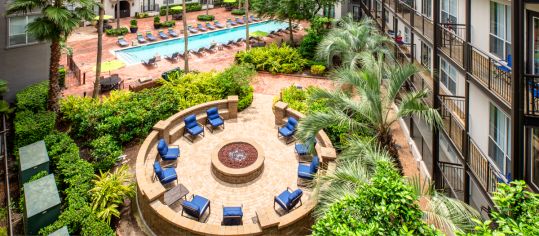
(175, 194)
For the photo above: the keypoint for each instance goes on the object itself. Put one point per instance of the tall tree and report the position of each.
(99, 56)
(166, 11)
(117, 14)
(185, 38)
(247, 42)
(207, 7)
(55, 24)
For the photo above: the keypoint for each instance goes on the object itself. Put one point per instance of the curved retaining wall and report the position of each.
(163, 220)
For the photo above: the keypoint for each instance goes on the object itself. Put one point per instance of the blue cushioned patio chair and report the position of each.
(166, 175)
(288, 130)
(196, 207)
(308, 171)
(233, 215)
(213, 119)
(288, 199)
(168, 152)
(301, 149)
(192, 127)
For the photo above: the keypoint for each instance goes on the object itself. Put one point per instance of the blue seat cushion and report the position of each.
(216, 122)
(314, 164)
(292, 122)
(191, 208)
(301, 149)
(293, 198)
(162, 147)
(285, 132)
(190, 121)
(195, 130)
(157, 168)
(212, 113)
(304, 172)
(172, 154)
(282, 199)
(201, 202)
(169, 175)
(232, 211)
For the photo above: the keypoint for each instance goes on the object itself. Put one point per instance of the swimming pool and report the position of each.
(136, 55)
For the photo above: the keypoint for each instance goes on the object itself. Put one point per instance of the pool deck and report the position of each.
(84, 45)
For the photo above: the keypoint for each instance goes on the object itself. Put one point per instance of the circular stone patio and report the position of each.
(256, 123)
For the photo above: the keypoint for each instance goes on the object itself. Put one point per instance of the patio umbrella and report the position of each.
(105, 17)
(258, 34)
(111, 65)
(177, 8)
(229, 1)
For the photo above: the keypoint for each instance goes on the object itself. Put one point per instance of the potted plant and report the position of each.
(157, 22)
(133, 26)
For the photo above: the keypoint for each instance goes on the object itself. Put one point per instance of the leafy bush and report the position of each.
(31, 127)
(318, 69)
(385, 206)
(169, 23)
(110, 191)
(238, 12)
(105, 152)
(140, 15)
(33, 98)
(307, 47)
(206, 17)
(273, 58)
(190, 7)
(62, 76)
(133, 23)
(156, 19)
(117, 32)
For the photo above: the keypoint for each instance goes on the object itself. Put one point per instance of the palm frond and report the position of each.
(397, 76)
(25, 6)
(412, 104)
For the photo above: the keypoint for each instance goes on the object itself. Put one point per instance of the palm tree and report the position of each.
(185, 38)
(109, 192)
(117, 14)
(373, 109)
(95, 94)
(166, 11)
(343, 44)
(247, 42)
(55, 23)
(207, 7)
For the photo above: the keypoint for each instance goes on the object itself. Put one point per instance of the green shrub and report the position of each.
(318, 69)
(206, 17)
(273, 58)
(308, 45)
(190, 7)
(117, 32)
(33, 98)
(156, 19)
(105, 152)
(169, 23)
(62, 76)
(140, 15)
(133, 22)
(238, 12)
(31, 127)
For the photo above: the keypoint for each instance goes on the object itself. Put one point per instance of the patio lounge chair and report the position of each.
(150, 36)
(507, 67)
(196, 207)
(288, 130)
(301, 149)
(209, 26)
(308, 171)
(173, 57)
(168, 153)
(198, 52)
(288, 199)
(140, 38)
(233, 215)
(211, 48)
(271, 33)
(150, 62)
(162, 35)
(172, 32)
(231, 22)
(201, 28)
(254, 18)
(240, 21)
(192, 127)
(165, 176)
(192, 30)
(239, 41)
(122, 42)
(218, 24)
(214, 120)
(245, 19)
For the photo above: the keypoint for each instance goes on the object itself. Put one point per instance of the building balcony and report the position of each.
(489, 72)
(531, 97)
(408, 14)
(483, 169)
(453, 44)
(453, 115)
(452, 179)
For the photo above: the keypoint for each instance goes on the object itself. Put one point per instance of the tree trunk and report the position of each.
(386, 141)
(185, 39)
(54, 86)
(247, 42)
(166, 12)
(291, 31)
(117, 14)
(207, 7)
(97, 86)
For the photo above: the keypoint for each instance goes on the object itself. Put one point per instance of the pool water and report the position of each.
(141, 53)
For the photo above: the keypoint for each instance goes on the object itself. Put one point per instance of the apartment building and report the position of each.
(128, 8)
(23, 60)
(482, 74)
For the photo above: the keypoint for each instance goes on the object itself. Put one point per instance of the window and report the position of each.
(449, 11)
(329, 11)
(407, 35)
(500, 30)
(426, 56)
(386, 16)
(426, 8)
(17, 30)
(498, 143)
(448, 76)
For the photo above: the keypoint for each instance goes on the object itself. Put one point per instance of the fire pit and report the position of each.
(237, 161)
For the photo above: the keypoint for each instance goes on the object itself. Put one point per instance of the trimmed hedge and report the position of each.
(238, 12)
(105, 152)
(206, 17)
(117, 32)
(31, 127)
(318, 69)
(33, 98)
(190, 7)
(273, 58)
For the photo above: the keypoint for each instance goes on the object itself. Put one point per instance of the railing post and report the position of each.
(489, 72)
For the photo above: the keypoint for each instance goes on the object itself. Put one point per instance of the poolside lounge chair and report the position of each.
(308, 171)
(150, 62)
(122, 42)
(172, 32)
(271, 33)
(196, 207)
(166, 175)
(233, 215)
(201, 28)
(141, 38)
(211, 48)
(192, 127)
(162, 35)
(240, 21)
(231, 22)
(254, 18)
(218, 24)
(245, 19)
(209, 26)
(192, 30)
(168, 152)
(239, 41)
(214, 120)
(288, 199)
(279, 31)
(173, 57)
(150, 36)
(288, 130)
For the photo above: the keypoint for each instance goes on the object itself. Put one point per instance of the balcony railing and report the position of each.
(453, 179)
(532, 95)
(453, 43)
(488, 71)
(452, 110)
(487, 174)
